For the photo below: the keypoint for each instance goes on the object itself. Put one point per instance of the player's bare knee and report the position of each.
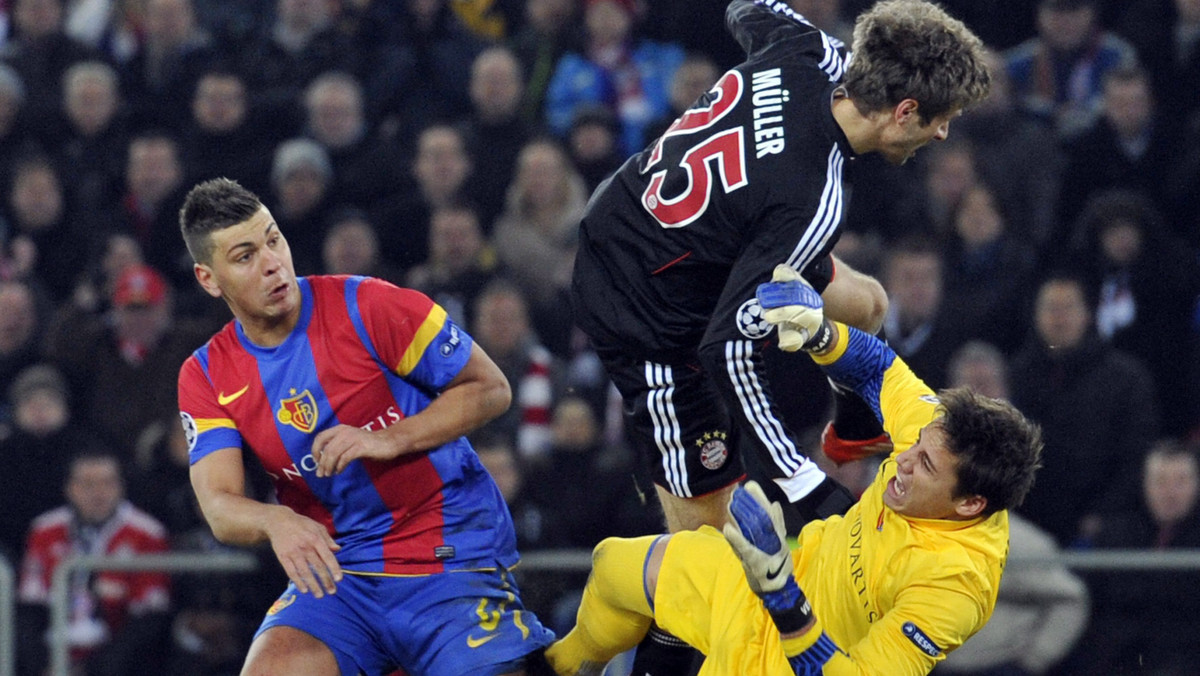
(877, 303)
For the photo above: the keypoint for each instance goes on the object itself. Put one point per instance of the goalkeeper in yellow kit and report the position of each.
(908, 574)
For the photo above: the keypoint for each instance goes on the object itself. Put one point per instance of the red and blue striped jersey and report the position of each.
(368, 354)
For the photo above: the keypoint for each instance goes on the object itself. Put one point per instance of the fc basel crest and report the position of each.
(299, 411)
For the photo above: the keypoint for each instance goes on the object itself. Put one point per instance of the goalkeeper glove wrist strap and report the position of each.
(789, 608)
(821, 339)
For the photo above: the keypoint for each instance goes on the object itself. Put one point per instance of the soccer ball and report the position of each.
(750, 321)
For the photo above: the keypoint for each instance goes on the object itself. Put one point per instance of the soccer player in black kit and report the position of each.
(673, 246)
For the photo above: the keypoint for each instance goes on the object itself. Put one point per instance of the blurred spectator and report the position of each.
(593, 143)
(988, 271)
(694, 77)
(538, 232)
(1059, 74)
(1166, 34)
(20, 330)
(222, 137)
(629, 76)
(117, 621)
(502, 328)
(1146, 622)
(1145, 284)
(1128, 147)
(441, 170)
(40, 52)
(95, 133)
(578, 457)
(148, 207)
(1018, 154)
(298, 44)
(948, 170)
(161, 77)
(14, 131)
(300, 196)
(980, 367)
(335, 112)
(495, 130)
(124, 365)
(351, 247)
(550, 30)
(94, 291)
(437, 53)
(114, 27)
(1097, 412)
(34, 447)
(918, 324)
(45, 248)
(461, 263)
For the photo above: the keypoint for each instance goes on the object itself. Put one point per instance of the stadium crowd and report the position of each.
(1048, 252)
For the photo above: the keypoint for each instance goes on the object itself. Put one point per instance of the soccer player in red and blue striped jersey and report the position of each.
(355, 395)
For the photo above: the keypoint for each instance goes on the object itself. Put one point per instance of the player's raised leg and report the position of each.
(859, 300)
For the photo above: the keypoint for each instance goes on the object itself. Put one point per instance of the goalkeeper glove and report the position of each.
(790, 303)
(755, 530)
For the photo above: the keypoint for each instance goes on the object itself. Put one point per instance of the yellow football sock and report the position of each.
(614, 613)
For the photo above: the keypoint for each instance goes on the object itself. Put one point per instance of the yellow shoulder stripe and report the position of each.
(424, 335)
(205, 424)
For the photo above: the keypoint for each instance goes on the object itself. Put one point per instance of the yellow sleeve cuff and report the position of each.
(797, 644)
(839, 347)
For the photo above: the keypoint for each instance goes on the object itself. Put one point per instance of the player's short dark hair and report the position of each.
(912, 49)
(213, 205)
(999, 450)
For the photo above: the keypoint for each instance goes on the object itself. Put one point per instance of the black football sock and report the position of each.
(853, 418)
(661, 654)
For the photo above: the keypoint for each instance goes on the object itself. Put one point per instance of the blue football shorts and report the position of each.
(448, 624)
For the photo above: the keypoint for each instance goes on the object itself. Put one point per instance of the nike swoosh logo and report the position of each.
(772, 574)
(473, 642)
(225, 400)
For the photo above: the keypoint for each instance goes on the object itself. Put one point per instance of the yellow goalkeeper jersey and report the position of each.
(894, 593)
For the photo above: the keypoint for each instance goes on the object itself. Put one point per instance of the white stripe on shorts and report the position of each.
(660, 403)
(767, 427)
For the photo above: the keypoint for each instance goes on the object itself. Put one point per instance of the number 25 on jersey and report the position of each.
(724, 149)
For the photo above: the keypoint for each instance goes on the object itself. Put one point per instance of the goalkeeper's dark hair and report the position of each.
(998, 449)
(213, 205)
(912, 49)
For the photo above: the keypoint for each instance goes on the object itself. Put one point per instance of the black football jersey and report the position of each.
(673, 246)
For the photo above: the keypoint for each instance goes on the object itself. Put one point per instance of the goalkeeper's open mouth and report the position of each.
(896, 488)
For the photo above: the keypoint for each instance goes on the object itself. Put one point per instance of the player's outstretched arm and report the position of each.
(755, 530)
(478, 394)
(303, 546)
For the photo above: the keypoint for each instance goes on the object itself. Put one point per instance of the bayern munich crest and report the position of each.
(713, 451)
(750, 321)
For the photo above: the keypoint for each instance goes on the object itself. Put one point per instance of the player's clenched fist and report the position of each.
(791, 304)
(305, 550)
(335, 447)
